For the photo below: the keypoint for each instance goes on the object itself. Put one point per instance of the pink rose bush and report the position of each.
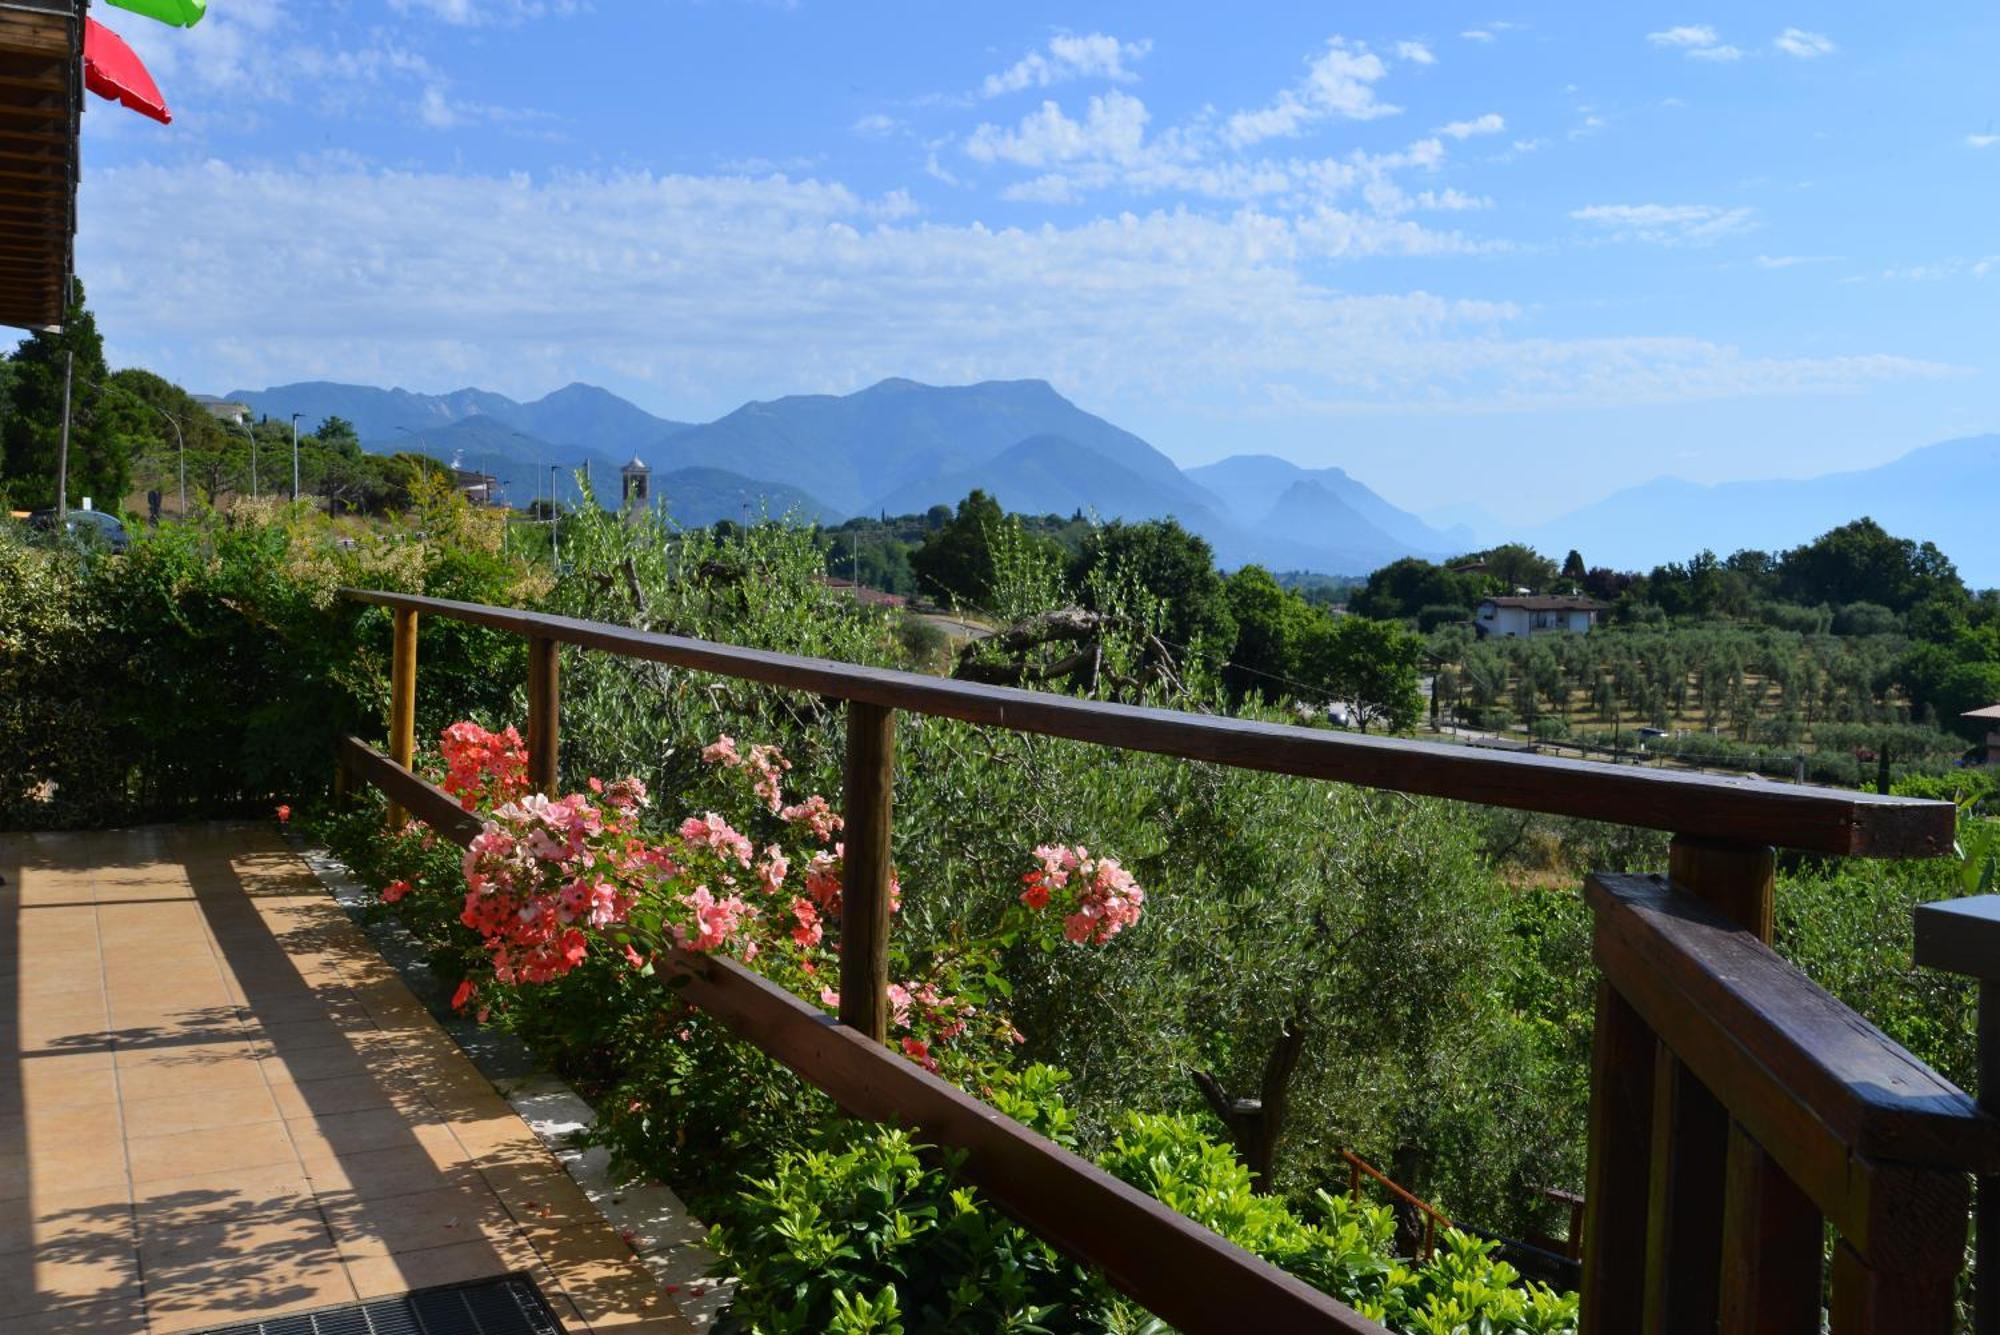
(552, 884)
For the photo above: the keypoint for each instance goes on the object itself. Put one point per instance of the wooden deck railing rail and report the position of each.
(1733, 1103)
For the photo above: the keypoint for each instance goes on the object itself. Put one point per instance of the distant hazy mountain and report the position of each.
(1052, 474)
(581, 416)
(895, 447)
(1346, 528)
(911, 442)
(1947, 493)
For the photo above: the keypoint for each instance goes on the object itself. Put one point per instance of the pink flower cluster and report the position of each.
(483, 768)
(765, 764)
(1101, 896)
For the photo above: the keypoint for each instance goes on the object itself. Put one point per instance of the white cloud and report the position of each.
(1805, 45)
(1666, 224)
(1113, 127)
(472, 13)
(876, 124)
(1790, 261)
(1070, 56)
(1490, 123)
(1476, 35)
(713, 290)
(1340, 83)
(1417, 53)
(1688, 35)
(1982, 140)
(1697, 41)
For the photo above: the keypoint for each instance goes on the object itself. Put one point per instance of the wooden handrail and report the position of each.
(1176, 1268)
(1821, 820)
(1434, 1218)
(1823, 1115)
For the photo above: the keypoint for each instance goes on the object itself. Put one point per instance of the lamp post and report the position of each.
(253, 455)
(295, 458)
(180, 441)
(555, 565)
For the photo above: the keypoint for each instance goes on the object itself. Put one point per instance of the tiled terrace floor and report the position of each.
(217, 1102)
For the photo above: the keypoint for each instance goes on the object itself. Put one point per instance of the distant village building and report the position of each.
(1990, 716)
(478, 488)
(1517, 616)
(635, 479)
(236, 414)
(862, 594)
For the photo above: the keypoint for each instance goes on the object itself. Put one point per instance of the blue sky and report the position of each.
(1517, 256)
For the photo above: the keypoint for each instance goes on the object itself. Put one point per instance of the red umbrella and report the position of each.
(111, 69)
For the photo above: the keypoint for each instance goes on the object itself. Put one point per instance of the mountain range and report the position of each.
(899, 447)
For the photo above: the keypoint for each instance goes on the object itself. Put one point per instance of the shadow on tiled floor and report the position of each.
(217, 1102)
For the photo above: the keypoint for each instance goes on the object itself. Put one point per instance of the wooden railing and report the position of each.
(1733, 1103)
(1434, 1219)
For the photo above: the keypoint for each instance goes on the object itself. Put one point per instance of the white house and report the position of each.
(1518, 615)
(1990, 716)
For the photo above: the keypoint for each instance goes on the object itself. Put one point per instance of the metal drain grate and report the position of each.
(511, 1305)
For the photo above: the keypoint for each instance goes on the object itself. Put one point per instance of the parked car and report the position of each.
(89, 527)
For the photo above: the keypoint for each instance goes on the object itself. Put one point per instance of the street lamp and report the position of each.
(554, 564)
(253, 455)
(180, 442)
(295, 457)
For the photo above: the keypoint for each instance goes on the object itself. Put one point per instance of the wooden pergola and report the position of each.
(41, 105)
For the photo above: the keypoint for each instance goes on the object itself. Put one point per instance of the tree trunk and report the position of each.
(1255, 1124)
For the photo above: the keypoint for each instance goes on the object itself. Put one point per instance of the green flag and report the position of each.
(180, 13)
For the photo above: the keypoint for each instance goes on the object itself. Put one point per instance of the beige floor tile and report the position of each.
(319, 1098)
(265, 1186)
(210, 1108)
(68, 1220)
(187, 1238)
(166, 1080)
(40, 1282)
(333, 1135)
(68, 1081)
(383, 1276)
(327, 1063)
(118, 1316)
(190, 1153)
(375, 1174)
(413, 1221)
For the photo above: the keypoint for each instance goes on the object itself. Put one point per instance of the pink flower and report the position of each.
(464, 994)
(772, 870)
(715, 919)
(829, 998)
(713, 832)
(284, 813)
(816, 815)
(394, 891)
(721, 751)
(919, 1052)
(808, 932)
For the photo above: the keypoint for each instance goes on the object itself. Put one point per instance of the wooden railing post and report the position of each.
(1771, 1241)
(1615, 1183)
(544, 713)
(1691, 1131)
(868, 809)
(1962, 936)
(403, 701)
